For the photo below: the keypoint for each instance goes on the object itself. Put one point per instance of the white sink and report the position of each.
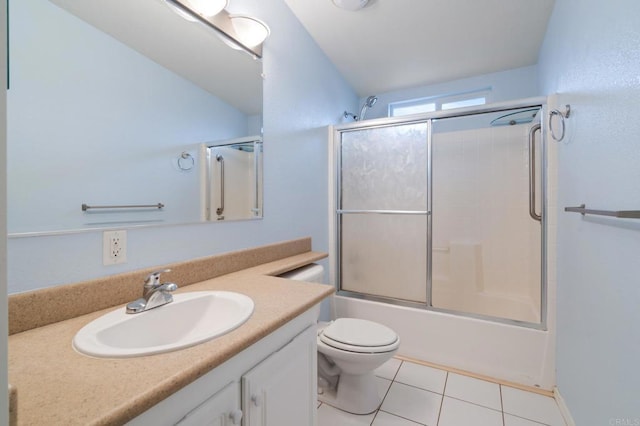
(191, 318)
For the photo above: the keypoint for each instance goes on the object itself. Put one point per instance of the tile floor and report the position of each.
(418, 395)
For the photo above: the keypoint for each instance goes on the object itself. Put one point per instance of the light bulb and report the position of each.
(250, 31)
(208, 8)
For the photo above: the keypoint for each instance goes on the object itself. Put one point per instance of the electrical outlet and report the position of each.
(114, 247)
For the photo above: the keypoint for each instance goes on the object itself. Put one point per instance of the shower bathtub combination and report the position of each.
(439, 229)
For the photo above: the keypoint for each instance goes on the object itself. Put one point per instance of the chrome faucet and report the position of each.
(155, 294)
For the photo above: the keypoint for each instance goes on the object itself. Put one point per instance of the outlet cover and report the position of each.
(114, 247)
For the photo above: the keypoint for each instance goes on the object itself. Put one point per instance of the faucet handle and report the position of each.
(153, 279)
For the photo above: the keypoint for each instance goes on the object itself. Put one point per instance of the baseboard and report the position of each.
(564, 410)
(479, 376)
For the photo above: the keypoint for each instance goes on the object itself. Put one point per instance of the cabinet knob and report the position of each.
(256, 399)
(235, 416)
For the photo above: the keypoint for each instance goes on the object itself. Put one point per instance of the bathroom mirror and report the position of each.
(108, 105)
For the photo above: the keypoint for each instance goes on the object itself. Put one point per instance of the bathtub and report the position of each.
(502, 351)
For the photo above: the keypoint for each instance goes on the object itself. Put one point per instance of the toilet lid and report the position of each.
(359, 332)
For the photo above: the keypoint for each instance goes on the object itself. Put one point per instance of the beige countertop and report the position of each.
(58, 386)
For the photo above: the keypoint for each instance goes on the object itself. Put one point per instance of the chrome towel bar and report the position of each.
(625, 214)
(86, 207)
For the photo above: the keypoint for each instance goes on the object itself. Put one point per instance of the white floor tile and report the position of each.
(531, 406)
(456, 413)
(510, 420)
(386, 419)
(414, 399)
(422, 377)
(383, 386)
(329, 416)
(473, 390)
(412, 403)
(389, 369)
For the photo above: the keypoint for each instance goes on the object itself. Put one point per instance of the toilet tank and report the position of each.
(313, 273)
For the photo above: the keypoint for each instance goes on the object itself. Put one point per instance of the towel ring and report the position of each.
(562, 115)
(186, 161)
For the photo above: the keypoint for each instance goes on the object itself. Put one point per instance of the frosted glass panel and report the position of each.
(385, 168)
(385, 255)
(486, 248)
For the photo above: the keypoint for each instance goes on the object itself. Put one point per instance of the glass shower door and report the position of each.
(382, 211)
(486, 244)
(446, 213)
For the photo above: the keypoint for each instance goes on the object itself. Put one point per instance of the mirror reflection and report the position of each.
(233, 182)
(109, 122)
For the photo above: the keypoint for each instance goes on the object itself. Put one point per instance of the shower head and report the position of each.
(371, 100)
(518, 117)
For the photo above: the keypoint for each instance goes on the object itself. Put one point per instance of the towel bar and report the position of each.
(86, 207)
(624, 214)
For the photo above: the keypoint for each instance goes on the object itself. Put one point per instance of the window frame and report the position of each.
(438, 101)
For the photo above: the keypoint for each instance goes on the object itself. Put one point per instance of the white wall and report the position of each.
(507, 85)
(303, 94)
(591, 57)
(103, 125)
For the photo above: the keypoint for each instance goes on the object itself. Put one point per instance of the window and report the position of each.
(464, 103)
(411, 108)
(439, 103)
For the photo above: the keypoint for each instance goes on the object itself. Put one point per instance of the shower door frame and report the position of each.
(335, 203)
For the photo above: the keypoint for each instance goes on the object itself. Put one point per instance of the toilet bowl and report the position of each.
(349, 350)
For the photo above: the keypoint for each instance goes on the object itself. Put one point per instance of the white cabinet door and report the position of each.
(282, 389)
(222, 409)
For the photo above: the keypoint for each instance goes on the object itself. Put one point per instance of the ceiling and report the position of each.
(396, 44)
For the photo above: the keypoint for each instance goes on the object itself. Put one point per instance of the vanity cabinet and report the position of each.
(271, 383)
(281, 390)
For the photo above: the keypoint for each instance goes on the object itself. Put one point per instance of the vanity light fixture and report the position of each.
(238, 31)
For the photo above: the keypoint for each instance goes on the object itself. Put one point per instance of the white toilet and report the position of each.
(349, 350)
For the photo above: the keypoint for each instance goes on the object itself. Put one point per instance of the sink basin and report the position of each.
(191, 318)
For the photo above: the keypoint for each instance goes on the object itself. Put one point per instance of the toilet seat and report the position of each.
(361, 336)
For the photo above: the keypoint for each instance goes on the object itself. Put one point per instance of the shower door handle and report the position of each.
(220, 209)
(532, 173)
